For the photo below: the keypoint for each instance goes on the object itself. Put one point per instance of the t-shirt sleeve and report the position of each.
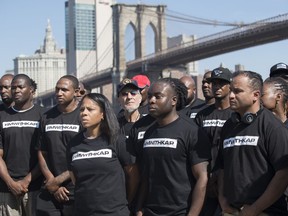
(199, 147)
(123, 153)
(277, 147)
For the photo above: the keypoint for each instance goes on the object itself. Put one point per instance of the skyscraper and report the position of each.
(89, 37)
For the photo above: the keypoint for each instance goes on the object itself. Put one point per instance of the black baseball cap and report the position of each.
(127, 82)
(221, 73)
(279, 69)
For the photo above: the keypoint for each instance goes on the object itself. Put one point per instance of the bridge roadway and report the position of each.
(261, 32)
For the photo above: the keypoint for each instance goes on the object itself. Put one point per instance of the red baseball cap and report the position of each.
(142, 80)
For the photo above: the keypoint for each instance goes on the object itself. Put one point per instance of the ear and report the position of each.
(256, 95)
(174, 100)
(76, 91)
(278, 97)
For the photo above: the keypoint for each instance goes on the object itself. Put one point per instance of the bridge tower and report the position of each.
(139, 17)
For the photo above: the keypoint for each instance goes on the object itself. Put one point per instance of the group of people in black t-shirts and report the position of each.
(165, 153)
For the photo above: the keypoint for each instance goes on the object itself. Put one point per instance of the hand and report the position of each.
(51, 185)
(24, 185)
(225, 206)
(139, 213)
(16, 188)
(61, 195)
(248, 210)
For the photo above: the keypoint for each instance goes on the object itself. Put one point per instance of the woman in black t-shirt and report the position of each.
(98, 161)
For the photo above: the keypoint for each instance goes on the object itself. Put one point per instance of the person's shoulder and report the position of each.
(144, 121)
(207, 110)
(187, 122)
(39, 109)
(198, 102)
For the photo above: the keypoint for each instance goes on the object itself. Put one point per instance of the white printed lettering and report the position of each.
(160, 142)
(213, 123)
(33, 124)
(241, 141)
(103, 153)
(62, 127)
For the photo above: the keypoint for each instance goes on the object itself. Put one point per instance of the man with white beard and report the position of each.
(129, 97)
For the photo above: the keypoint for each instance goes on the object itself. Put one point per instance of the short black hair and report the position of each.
(73, 79)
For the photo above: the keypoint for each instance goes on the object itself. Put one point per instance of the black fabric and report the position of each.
(20, 140)
(212, 120)
(136, 136)
(169, 153)
(57, 129)
(250, 155)
(47, 205)
(100, 181)
(125, 126)
(192, 110)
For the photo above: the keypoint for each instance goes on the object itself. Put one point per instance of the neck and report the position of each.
(209, 101)
(133, 116)
(67, 108)
(222, 103)
(25, 106)
(280, 114)
(92, 133)
(170, 117)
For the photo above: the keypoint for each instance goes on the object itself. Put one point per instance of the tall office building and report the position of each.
(89, 37)
(45, 66)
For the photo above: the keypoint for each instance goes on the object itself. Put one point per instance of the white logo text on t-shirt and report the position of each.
(160, 142)
(32, 124)
(103, 153)
(213, 123)
(241, 141)
(62, 127)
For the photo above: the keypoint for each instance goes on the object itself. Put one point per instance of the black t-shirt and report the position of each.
(250, 154)
(125, 126)
(169, 153)
(212, 120)
(136, 136)
(192, 110)
(20, 140)
(100, 180)
(57, 129)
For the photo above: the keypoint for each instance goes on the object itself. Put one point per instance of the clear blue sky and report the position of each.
(23, 26)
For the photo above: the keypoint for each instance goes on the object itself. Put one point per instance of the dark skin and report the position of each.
(162, 106)
(21, 92)
(65, 94)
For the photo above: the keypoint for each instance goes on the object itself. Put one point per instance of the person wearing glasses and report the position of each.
(84, 89)
(129, 98)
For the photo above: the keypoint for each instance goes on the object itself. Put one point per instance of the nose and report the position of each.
(231, 95)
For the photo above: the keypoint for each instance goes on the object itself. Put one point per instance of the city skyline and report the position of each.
(25, 29)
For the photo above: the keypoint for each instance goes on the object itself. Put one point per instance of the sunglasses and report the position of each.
(133, 93)
(82, 92)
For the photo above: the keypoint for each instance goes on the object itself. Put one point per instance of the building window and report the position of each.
(85, 26)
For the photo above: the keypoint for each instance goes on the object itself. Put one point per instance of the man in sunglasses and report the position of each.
(83, 90)
(129, 98)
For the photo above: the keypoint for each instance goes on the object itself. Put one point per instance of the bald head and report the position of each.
(189, 82)
(5, 89)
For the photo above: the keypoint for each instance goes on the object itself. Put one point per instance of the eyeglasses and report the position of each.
(82, 92)
(133, 93)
